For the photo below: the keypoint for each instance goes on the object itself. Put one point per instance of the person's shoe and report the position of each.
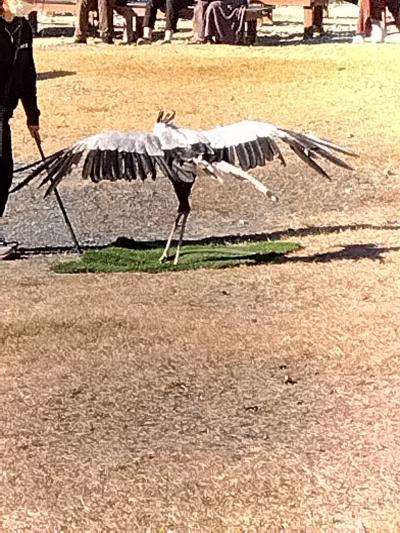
(7, 250)
(167, 37)
(358, 39)
(107, 40)
(80, 40)
(143, 41)
(196, 41)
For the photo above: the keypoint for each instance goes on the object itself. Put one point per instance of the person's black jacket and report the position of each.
(13, 35)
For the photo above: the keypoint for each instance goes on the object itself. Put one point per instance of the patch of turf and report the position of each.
(146, 259)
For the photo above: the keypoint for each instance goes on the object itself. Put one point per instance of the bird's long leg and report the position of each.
(164, 255)
(182, 190)
(178, 249)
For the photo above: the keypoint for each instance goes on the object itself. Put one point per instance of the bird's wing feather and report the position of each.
(249, 144)
(110, 155)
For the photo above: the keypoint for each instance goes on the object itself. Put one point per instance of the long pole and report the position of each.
(60, 203)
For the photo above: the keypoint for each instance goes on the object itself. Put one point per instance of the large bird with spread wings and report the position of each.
(182, 155)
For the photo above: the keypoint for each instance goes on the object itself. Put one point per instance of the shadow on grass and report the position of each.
(223, 256)
(348, 252)
(138, 258)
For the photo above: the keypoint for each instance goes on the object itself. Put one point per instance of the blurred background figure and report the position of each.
(106, 23)
(171, 9)
(371, 15)
(219, 21)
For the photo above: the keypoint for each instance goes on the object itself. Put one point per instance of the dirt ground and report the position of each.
(251, 399)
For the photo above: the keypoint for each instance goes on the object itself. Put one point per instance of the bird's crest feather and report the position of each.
(166, 118)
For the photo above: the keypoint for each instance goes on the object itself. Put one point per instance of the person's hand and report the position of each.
(35, 132)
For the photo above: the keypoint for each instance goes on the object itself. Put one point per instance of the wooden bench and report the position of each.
(313, 12)
(254, 12)
(136, 9)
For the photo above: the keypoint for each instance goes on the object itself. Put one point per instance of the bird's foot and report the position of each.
(164, 258)
(169, 258)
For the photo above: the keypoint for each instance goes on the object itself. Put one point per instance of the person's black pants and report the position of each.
(171, 8)
(6, 168)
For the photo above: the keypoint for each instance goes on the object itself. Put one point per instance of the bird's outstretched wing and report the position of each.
(251, 144)
(110, 155)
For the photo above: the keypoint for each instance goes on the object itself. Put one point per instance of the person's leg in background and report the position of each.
(82, 20)
(318, 19)
(152, 6)
(394, 9)
(126, 13)
(106, 20)
(172, 8)
(200, 9)
(6, 175)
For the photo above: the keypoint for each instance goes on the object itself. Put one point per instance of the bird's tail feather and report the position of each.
(17, 170)
(331, 145)
(40, 165)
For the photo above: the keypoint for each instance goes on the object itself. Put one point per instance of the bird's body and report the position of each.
(182, 155)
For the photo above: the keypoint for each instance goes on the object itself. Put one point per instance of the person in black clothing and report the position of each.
(17, 82)
(171, 9)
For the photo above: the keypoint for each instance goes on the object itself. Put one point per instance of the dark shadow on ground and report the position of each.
(353, 252)
(363, 250)
(350, 251)
(295, 39)
(54, 74)
(68, 31)
(56, 31)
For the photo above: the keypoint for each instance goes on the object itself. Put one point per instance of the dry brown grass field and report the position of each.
(258, 398)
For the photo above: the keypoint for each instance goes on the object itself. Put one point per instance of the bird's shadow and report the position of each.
(354, 251)
(54, 74)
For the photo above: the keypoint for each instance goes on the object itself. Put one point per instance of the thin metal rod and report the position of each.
(61, 204)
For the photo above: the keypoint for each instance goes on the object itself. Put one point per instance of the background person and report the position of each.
(219, 21)
(171, 8)
(106, 20)
(17, 82)
(372, 11)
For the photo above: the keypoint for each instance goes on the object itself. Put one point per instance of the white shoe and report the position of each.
(7, 250)
(377, 33)
(358, 39)
(143, 41)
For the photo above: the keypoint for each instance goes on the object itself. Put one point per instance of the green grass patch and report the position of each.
(142, 258)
